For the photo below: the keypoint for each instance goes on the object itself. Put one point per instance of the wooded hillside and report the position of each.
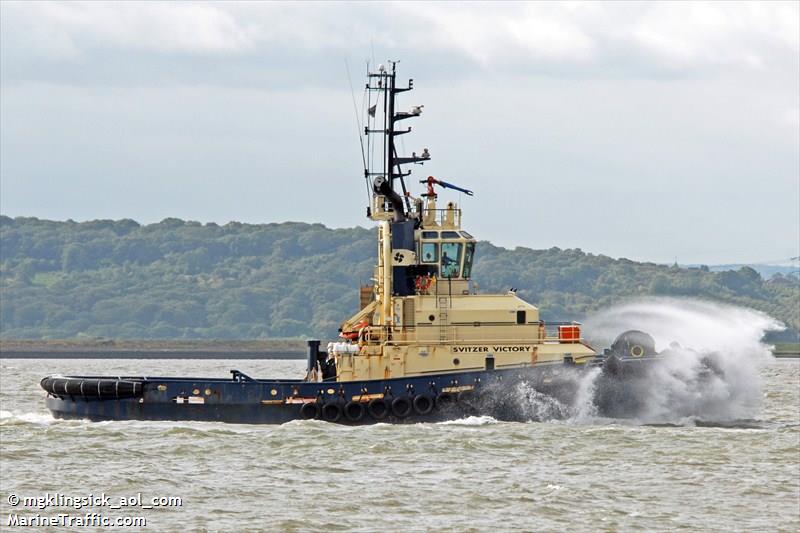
(178, 279)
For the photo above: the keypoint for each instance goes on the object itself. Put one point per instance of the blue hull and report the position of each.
(242, 399)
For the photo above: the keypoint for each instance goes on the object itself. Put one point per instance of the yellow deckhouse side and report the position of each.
(434, 334)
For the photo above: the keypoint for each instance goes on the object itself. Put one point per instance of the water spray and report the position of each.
(712, 355)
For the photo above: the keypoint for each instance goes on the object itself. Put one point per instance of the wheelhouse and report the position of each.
(448, 253)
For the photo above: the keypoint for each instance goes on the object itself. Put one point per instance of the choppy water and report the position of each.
(475, 474)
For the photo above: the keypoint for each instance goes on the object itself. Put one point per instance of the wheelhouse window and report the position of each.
(430, 234)
(450, 235)
(451, 259)
(430, 252)
(469, 253)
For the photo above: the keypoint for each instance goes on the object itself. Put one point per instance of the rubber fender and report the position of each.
(378, 408)
(634, 343)
(445, 399)
(423, 404)
(72, 387)
(92, 388)
(464, 396)
(354, 411)
(309, 411)
(332, 411)
(46, 384)
(402, 407)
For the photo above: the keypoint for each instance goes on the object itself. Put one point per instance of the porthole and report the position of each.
(431, 318)
(456, 361)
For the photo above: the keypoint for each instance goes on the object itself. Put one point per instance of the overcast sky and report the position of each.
(647, 131)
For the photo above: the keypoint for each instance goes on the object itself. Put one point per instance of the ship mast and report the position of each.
(384, 188)
(392, 209)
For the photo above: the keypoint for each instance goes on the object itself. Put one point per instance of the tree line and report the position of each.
(183, 279)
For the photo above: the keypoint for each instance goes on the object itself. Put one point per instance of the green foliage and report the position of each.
(568, 284)
(179, 279)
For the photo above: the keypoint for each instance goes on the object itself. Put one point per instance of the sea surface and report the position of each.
(474, 474)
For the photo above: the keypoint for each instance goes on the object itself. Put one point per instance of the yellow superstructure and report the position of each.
(425, 315)
(445, 326)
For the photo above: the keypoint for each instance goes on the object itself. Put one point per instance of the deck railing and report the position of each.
(545, 333)
(440, 216)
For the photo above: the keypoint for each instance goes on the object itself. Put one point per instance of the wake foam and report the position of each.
(470, 421)
(9, 418)
(715, 355)
(533, 405)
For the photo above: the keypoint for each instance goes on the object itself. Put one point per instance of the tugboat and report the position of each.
(425, 345)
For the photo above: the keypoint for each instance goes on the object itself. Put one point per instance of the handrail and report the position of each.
(489, 324)
(441, 214)
(546, 340)
(552, 334)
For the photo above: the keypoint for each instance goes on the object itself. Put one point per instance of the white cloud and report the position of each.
(65, 29)
(670, 36)
(698, 34)
(590, 36)
(489, 32)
